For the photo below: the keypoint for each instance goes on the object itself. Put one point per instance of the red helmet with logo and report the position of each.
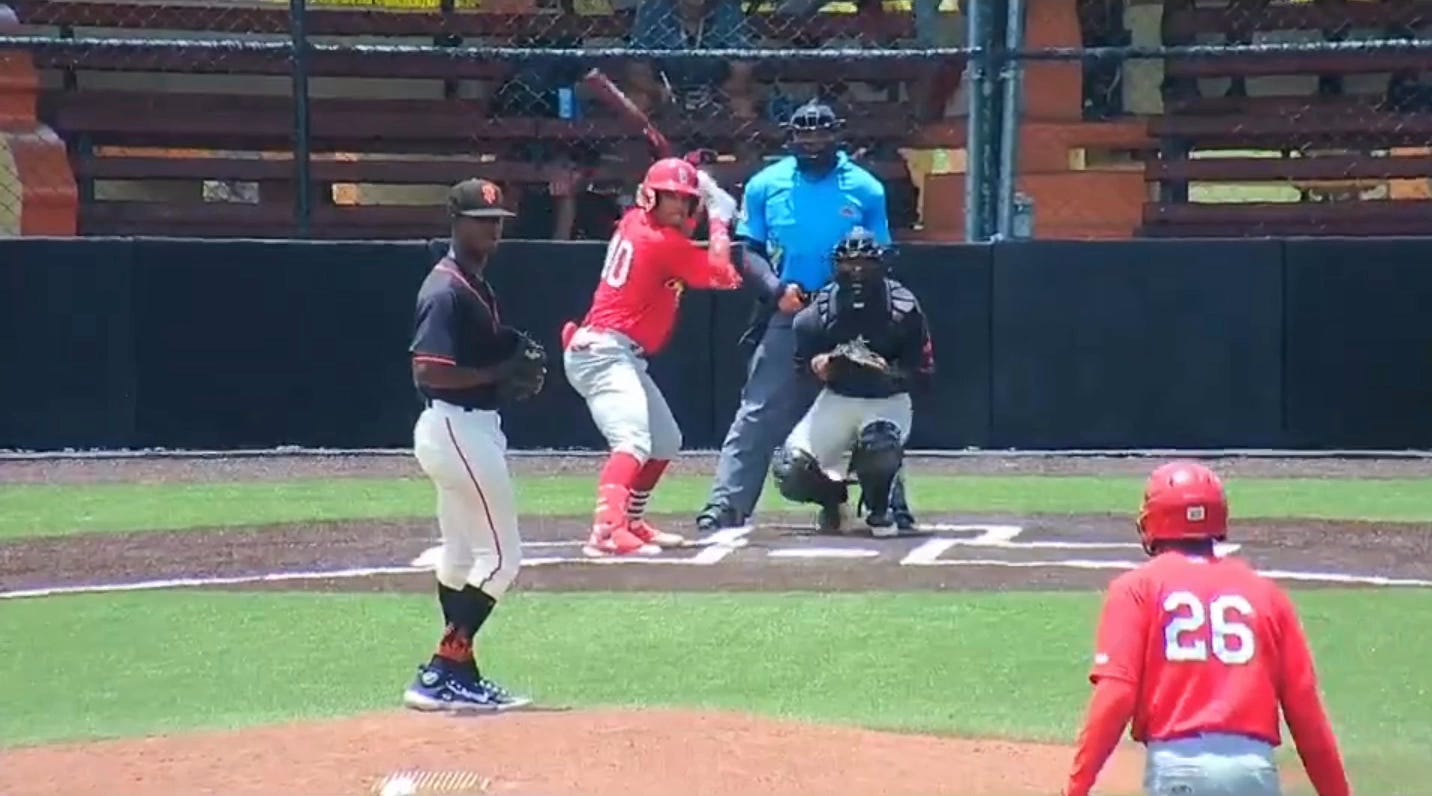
(1183, 500)
(673, 175)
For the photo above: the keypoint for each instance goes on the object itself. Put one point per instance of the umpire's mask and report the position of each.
(811, 137)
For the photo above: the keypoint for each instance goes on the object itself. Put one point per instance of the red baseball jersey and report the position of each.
(1190, 645)
(646, 270)
(1208, 644)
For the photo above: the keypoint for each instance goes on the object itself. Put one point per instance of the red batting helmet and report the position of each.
(1183, 500)
(674, 175)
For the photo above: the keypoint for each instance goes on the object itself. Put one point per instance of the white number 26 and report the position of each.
(1189, 636)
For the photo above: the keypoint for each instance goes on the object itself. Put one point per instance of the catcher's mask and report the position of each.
(1183, 501)
(811, 135)
(860, 268)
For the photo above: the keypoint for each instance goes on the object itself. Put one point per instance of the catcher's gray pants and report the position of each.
(1211, 765)
(829, 429)
(464, 452)
(772, 400)
(609, 371)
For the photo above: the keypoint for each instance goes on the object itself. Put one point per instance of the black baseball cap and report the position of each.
(477, 198)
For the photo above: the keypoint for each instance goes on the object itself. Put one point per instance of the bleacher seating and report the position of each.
(1338, 155)
(150, 133)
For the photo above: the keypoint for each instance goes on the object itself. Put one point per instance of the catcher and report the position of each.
(864, 337)
(467, 365)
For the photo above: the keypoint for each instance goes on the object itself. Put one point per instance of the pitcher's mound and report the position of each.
(582, 753)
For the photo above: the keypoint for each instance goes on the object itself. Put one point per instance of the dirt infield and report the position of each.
(605, 753)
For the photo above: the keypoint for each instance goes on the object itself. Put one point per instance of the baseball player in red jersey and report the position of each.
(1199, 652)
(650, 261)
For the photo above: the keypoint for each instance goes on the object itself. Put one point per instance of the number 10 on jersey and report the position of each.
(616, 269)
(1220, 627)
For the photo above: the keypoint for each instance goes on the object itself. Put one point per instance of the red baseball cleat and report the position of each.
(617, 541)
(650, 534)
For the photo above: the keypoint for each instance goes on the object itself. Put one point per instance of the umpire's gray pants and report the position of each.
(772, 402)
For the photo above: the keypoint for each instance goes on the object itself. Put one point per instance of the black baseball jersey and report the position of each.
(458, 323)
(894, 328)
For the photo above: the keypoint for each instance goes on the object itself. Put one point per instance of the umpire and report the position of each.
(794, 214)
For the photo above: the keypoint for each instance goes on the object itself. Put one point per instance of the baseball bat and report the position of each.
(617, 100)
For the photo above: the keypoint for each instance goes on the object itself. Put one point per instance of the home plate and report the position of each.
(824, 552)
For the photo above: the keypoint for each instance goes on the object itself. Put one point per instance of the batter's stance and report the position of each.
(1200, 651)
(795, 212)
(650, 261)
(864, 411)
(466, 364)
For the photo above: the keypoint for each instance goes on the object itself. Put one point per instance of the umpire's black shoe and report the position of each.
(904, 520)
(717, 516)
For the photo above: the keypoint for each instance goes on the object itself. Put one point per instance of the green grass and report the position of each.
(43, 510)
(1006, 665)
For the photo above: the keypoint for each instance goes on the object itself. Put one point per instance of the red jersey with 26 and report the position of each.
(647, 268)
(1211, 646)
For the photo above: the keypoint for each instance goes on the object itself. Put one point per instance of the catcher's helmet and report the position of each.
(859, 244)
(1183, 501)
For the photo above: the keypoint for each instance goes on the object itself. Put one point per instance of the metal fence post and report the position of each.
(977, 143)
(302, 143)
(1011, 74)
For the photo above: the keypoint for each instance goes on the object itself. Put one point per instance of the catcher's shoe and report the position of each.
(650, 534)
(831, 518)
(881, 524)
(617, 541)
(904, 520)
(717, 516)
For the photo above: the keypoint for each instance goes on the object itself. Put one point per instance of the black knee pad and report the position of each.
(877, 457)
(800, 479)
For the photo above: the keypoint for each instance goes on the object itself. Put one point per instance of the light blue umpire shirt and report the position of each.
(801, 220)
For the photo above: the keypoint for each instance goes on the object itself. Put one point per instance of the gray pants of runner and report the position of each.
(772, 402)
(1211, 765)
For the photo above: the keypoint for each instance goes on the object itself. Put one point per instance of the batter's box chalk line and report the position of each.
(422, 783)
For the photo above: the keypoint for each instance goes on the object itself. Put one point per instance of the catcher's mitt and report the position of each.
(856, 353)
(524, 371)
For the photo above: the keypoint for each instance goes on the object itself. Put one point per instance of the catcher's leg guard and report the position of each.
(800, 479)
(900, 505)
(875, 460)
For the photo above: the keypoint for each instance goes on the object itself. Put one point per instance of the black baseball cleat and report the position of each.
(881, 524)
(717, 516)
(830, 518)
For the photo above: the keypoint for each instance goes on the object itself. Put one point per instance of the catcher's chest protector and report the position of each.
(881, 330)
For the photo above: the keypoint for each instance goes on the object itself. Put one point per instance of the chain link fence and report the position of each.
(199, 117)
(1223, 118)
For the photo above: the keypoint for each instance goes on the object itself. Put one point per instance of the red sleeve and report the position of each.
(1303, 705)
(704, 269)
(1123, 632)
(1118, 664)
(1109, 712)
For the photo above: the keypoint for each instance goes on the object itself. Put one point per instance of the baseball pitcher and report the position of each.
(650, 261)
(467, 365)
(1199, 651)
(865, 339)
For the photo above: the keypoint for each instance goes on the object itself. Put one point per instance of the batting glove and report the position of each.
(719, 204)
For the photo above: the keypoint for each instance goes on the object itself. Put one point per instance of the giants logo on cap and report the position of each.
(490, 194)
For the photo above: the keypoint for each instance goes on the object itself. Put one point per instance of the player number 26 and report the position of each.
(1194, 629)
(617, 267)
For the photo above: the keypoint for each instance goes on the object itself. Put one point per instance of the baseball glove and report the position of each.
(857, 354)
(524, 371)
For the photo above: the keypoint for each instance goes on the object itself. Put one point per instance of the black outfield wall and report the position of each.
(1313, 344)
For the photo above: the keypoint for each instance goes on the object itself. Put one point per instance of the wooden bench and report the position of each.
(131, 132)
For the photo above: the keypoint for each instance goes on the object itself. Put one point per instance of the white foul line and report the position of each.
(174, 583)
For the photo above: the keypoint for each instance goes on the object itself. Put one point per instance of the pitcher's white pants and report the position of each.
(608, 370)
(831, 426)
(464, 452)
